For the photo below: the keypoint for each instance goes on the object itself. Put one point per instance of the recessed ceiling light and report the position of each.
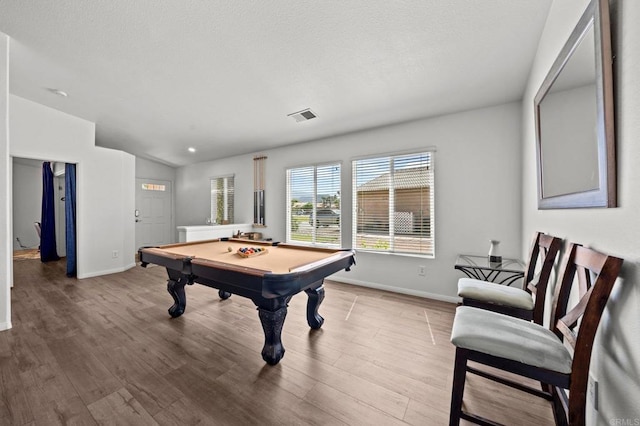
(191, 149)
(59, 92)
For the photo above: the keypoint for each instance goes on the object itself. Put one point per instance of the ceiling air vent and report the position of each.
(304, 115)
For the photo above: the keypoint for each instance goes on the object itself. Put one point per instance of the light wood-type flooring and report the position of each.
(105, 351)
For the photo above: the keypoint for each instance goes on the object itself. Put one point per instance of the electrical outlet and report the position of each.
(421, 270)
(114, 254)
(592, 391)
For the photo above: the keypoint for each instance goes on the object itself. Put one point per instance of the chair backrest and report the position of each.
(544, 248)
(596, 274)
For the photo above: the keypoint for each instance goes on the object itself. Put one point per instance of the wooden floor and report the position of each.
(26, 254)
(104, 351)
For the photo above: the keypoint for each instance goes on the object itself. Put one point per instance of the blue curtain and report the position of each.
(70, 216)
(48, 250)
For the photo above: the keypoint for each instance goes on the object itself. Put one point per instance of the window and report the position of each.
(313, 205)
(393, 207)
(222, 200)
(153, 187)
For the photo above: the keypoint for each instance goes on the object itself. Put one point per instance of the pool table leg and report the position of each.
(316, 296)
(175, 287)
(272, 321)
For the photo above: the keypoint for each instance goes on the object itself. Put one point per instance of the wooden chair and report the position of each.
(531, 350)
(526, 303)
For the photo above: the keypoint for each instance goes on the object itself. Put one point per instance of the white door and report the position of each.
(153, 212)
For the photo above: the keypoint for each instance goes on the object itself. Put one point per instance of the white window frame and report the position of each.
(314, 233)
(227, 200)
(430, 237)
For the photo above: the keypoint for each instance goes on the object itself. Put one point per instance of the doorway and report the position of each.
(153, 212)
(27, 207)
(27, 204)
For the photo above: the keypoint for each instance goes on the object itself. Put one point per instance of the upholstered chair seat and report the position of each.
(492, 293)
(510, 338)
(527, 302)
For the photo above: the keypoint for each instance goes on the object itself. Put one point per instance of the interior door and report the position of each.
(153, 212)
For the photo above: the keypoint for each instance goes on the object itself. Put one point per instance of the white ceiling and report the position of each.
(160, 76)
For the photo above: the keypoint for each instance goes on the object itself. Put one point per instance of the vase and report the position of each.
(494, 251)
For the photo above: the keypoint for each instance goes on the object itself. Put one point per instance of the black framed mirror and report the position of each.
(575, 143)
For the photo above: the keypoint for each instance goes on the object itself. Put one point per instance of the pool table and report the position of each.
(269, 279)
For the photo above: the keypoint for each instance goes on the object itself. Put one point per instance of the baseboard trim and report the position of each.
(106, 272)
(408, 291)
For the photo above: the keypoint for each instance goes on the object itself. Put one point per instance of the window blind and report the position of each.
(393, 204)
(222, 195)
(313, 205)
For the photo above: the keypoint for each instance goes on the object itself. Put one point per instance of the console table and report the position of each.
(506, 272)
(210, 232)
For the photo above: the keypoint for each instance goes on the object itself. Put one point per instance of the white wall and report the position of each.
(193, 190)
(616, 359)
(6, 262)
(105, 182)
(27, 204)
(477, 192)
(147, 169)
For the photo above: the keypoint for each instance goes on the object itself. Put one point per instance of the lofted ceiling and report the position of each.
(158, 77)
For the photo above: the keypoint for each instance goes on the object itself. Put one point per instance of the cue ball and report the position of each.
(229, 249)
